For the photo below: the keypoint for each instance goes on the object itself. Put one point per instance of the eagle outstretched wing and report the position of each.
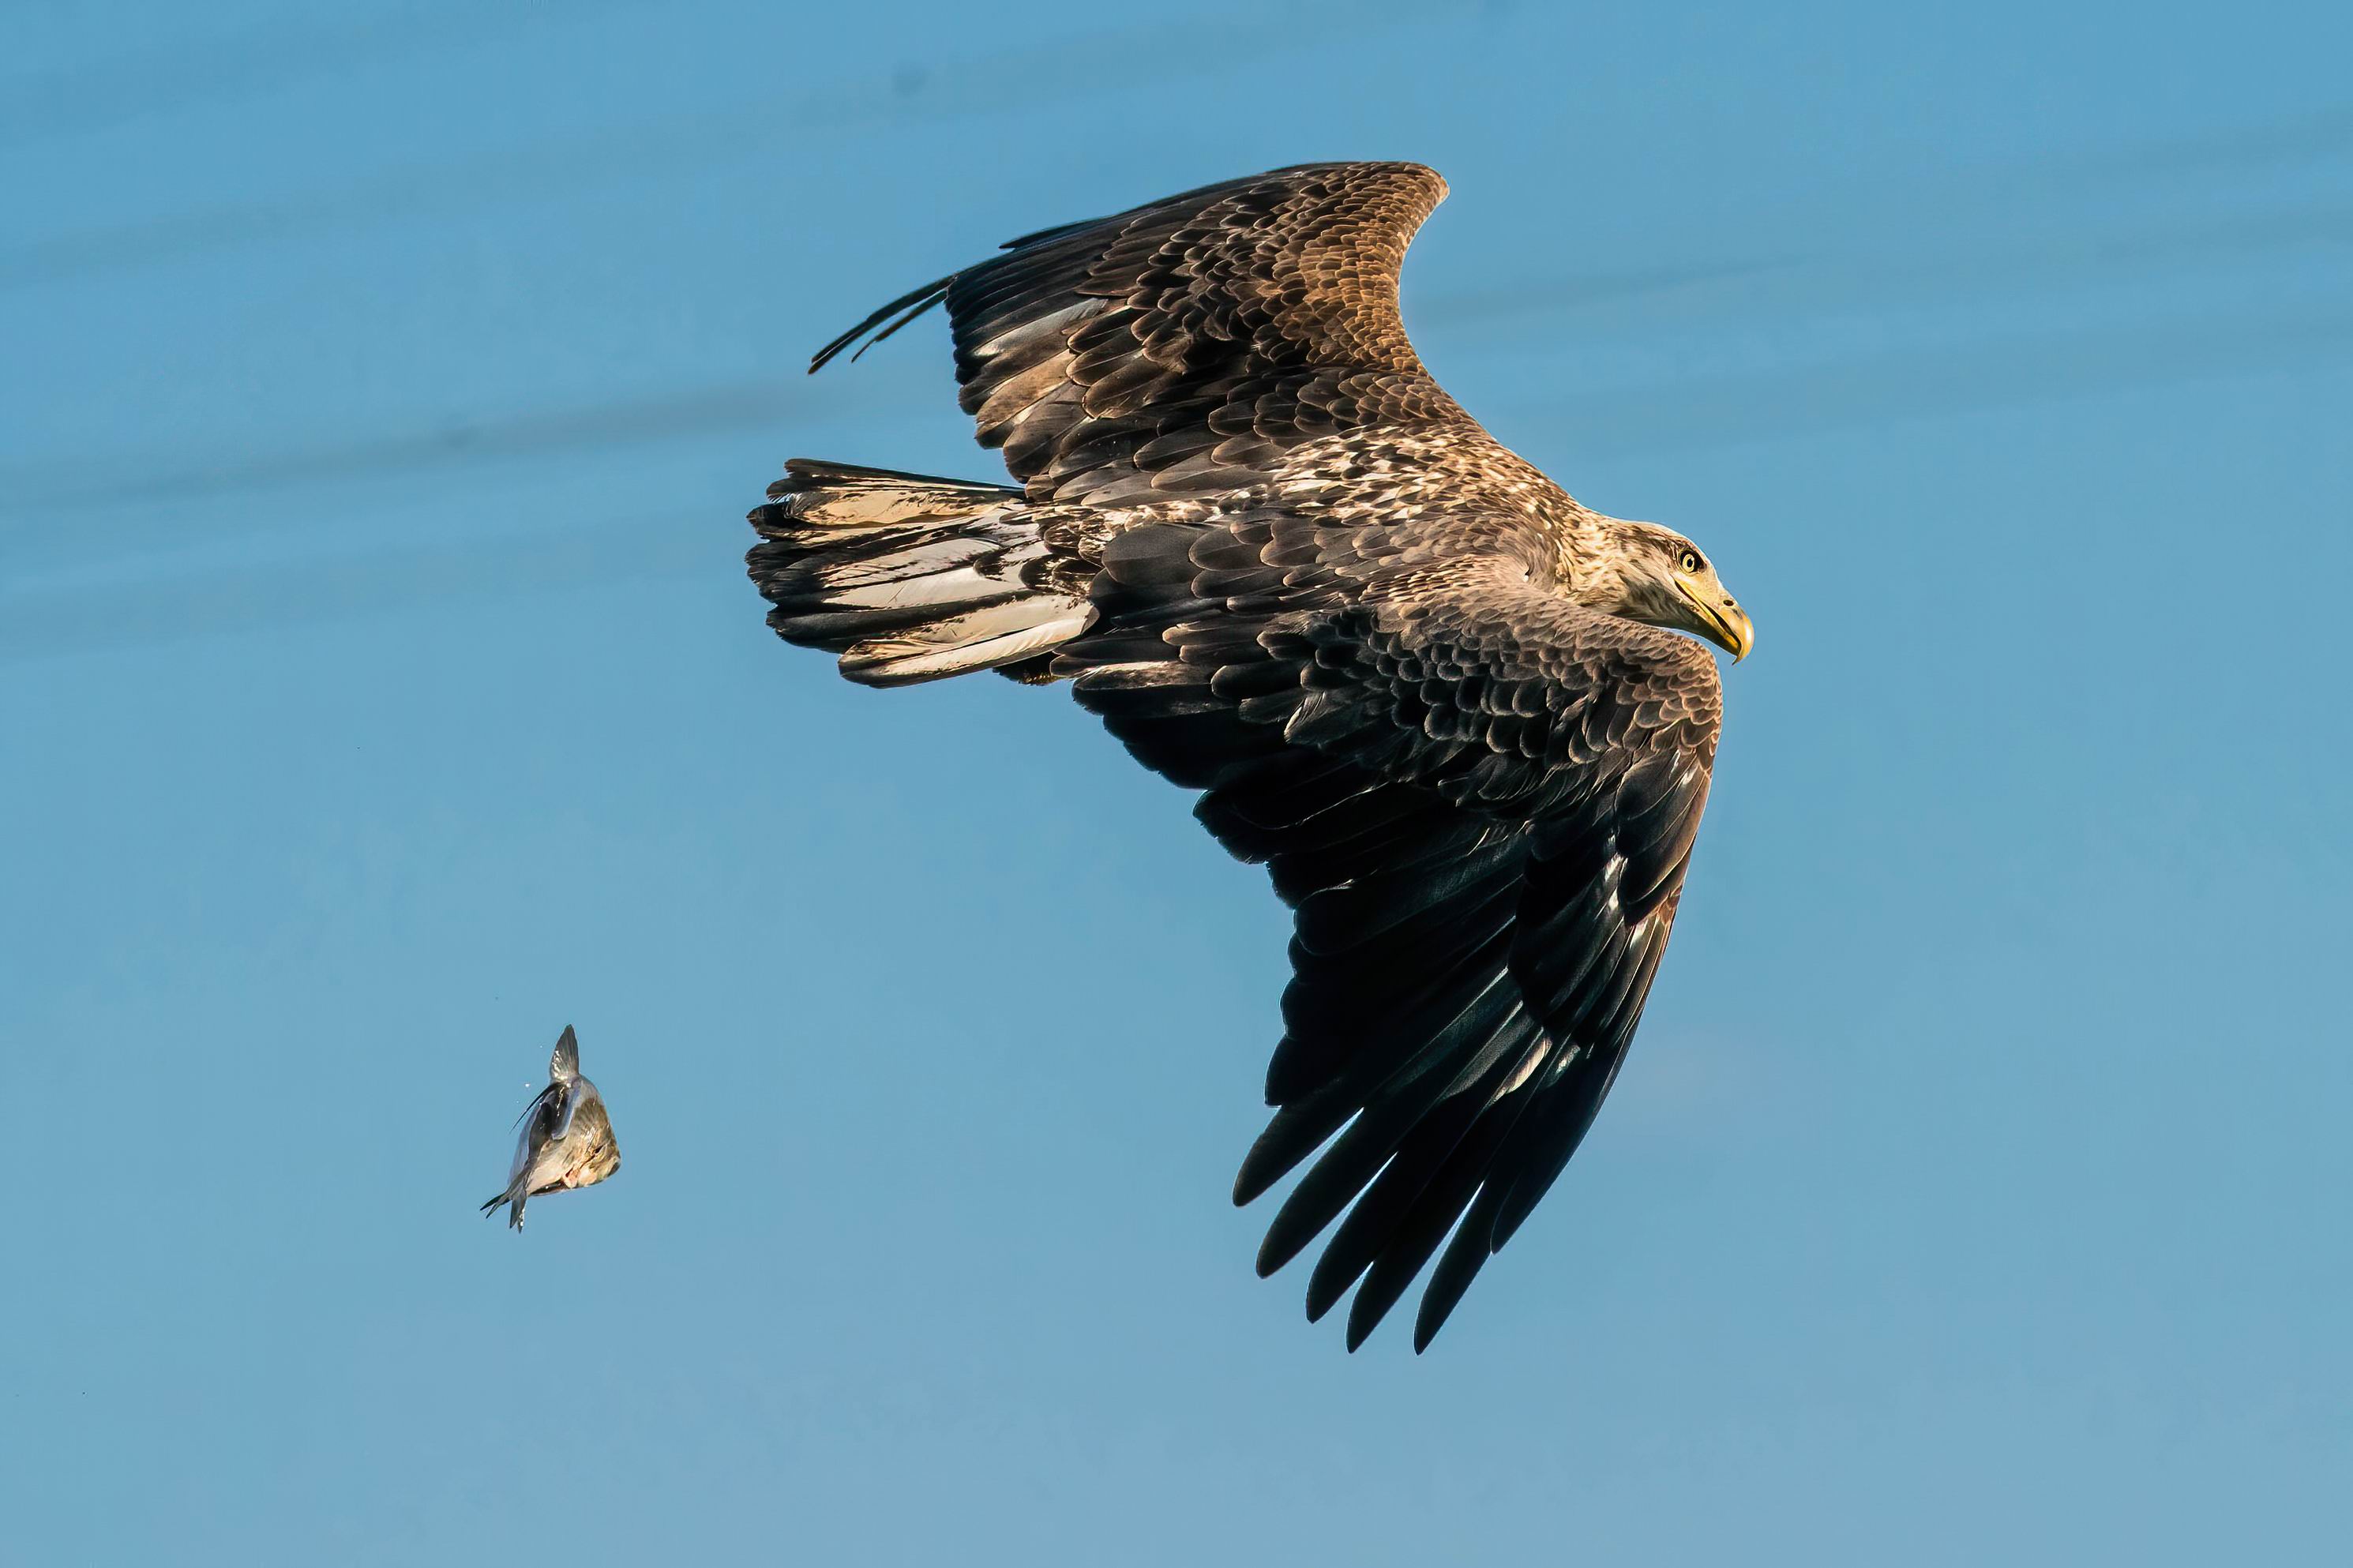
(1176, 350)
(1479, 805)
(1288, 570)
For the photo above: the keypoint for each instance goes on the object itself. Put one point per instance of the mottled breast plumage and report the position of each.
(1289, 571)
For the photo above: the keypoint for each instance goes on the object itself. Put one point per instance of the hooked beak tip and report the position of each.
(1726, 625)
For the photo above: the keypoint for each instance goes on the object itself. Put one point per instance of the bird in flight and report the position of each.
(1447, 706)
(567, 1139)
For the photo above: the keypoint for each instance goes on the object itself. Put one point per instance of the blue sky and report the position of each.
(382, 692)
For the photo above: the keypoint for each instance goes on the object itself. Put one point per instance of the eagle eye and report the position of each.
(1688, 561)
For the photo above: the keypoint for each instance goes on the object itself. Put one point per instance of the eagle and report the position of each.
(1451, 709)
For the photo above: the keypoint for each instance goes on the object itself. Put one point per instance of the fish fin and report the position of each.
(552, 1095)
(565, 1063)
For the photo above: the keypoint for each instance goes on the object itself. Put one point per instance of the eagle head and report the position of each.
(1654, 575)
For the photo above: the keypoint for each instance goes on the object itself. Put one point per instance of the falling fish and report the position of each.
(567, 1140)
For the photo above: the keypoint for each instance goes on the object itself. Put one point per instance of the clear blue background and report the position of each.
(379, 691)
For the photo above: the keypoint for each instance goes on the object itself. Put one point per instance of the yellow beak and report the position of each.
(1719, 620)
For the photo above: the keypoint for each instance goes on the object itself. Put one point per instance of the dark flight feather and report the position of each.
(1285, 569)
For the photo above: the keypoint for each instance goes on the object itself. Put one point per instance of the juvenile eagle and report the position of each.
(1443, 702)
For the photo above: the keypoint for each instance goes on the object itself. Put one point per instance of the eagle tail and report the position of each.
(907, 577)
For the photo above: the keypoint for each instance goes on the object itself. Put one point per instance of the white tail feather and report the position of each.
(908, 578)
(966, 643)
